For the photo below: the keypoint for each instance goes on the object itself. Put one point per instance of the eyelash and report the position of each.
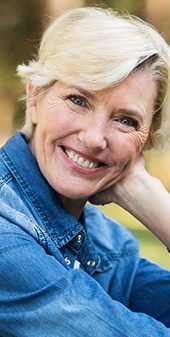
(131, 122)
(82, 101)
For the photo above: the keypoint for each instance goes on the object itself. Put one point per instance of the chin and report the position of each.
(81, 196)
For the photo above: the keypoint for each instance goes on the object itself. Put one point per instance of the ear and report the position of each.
(31, 103)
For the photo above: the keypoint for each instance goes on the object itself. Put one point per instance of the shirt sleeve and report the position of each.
(150, 291)
(40, 297)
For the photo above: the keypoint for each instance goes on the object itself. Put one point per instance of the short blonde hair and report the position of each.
(95, 48)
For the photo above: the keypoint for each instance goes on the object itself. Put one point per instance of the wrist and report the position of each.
(132, 188)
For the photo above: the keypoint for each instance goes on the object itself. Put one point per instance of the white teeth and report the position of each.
(86, 163)
(75, 158)
(80, 161)
(71, 154)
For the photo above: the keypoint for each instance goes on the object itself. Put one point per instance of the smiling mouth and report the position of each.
(80, 160)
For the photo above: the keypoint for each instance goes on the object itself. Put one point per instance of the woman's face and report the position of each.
(84, 141)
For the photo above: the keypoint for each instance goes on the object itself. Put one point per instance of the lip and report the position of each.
(100, 164)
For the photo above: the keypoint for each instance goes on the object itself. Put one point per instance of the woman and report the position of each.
(97, 96)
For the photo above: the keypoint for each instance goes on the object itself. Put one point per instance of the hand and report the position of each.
(117, 191)
(144, 197)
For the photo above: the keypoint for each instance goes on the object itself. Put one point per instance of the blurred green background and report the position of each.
(21, 25)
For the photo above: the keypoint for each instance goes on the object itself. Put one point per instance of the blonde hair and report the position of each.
(95, 48)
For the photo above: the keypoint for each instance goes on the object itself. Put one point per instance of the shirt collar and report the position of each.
(44, 200)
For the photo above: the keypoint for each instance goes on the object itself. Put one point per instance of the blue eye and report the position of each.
(78, 100)
(128, 122)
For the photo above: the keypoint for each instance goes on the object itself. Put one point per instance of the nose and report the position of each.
(93, 135)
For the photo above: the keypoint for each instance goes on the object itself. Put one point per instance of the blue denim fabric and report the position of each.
(114, 293)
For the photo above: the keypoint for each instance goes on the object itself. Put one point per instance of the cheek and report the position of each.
(127, 147)
(136, 142)
(53, 122)
(138, 139)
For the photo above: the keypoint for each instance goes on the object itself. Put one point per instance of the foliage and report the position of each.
(134, 7)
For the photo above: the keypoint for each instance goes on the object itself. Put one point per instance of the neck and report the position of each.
(75, 207)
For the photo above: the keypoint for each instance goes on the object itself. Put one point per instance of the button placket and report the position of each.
(67, 260)
(79, 238)
(91, 263)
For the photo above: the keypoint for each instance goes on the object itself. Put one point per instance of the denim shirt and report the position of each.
(114, 292)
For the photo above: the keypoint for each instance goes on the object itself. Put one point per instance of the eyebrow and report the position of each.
(123, 111)
(130, 113)
(85, 93)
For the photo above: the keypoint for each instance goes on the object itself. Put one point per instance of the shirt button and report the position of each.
(79, 238)
(67, 260)
(91, 263)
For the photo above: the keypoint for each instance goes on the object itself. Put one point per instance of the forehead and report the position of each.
(138, 90)
(139, 82)
(137, 93)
